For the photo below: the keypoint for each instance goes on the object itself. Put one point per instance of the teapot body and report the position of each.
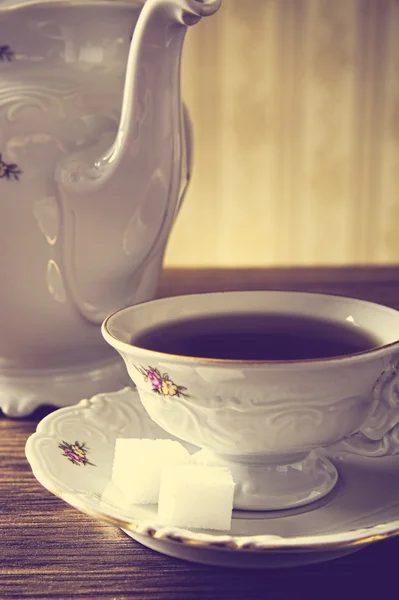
(70, 258)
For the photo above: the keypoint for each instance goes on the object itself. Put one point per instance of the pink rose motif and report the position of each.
(155, 379)
(76, 453)
(161, 383)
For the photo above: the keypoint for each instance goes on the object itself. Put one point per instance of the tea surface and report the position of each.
(256, 337)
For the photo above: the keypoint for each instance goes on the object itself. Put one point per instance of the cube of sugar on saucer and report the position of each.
(113, 495)
(138, 464)
(196, 496)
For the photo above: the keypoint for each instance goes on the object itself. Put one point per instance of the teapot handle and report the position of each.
(379, 436)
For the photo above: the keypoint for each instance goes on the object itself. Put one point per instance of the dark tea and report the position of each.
(257, 337)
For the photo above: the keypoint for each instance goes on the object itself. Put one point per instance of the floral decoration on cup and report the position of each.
(161, 384)
(76, 453)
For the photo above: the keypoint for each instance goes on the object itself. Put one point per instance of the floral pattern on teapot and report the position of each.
(6, 54)
(8, 170)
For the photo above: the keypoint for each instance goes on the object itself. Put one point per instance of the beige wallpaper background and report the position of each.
(295, 105)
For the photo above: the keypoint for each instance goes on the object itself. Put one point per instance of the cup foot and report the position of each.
(264, 486)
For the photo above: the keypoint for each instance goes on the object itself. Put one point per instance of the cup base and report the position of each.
(264, 486)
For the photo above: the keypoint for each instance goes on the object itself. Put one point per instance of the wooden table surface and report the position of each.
(50, 550)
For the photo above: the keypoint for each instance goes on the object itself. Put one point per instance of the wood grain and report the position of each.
(378, 284)
(50, 550)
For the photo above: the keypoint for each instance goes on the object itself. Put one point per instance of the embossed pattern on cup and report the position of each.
(270, 413)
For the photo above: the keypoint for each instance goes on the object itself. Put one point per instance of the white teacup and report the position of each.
(265, 418)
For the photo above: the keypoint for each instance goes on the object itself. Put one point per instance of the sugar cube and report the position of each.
(196, 496)
(113, 495)
(138, 464)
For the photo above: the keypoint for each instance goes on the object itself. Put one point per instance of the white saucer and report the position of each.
(362, 508)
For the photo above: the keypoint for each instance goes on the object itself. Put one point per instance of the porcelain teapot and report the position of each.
(95, 155)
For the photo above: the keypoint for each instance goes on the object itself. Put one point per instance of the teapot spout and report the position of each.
(151, 119)
(120, 198)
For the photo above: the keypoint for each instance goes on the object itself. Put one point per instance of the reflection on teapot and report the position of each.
(95, 151)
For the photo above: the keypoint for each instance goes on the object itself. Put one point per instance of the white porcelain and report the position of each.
(266, 420)
(95, 157)
(21, 396)
(363, 508)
